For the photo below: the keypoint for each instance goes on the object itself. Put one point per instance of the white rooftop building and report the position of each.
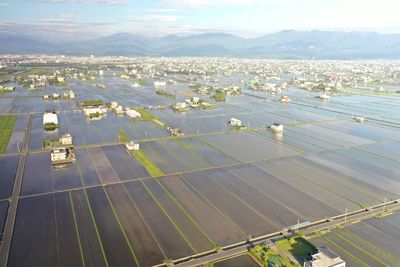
(325, 258)
(132, 145)
(50, 118)
(94, 110)
(235, 122)
(133, 114)
(59, 154)
(276, 127)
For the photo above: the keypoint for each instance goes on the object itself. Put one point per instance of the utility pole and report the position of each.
(384, 204)
(345, 215)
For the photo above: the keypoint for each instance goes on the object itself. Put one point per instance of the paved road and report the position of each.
(243, 248)
(12, 210)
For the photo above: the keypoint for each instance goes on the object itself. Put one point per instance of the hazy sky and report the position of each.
(76, 19)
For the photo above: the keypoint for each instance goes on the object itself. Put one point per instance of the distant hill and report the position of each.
(285, 45)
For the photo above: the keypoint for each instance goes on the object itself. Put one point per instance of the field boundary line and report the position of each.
(77, 229)
(169, 217)
(186, 213)
(95, 226)
(121, 227)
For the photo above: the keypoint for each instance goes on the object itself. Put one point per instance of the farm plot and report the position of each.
(357, 169)
(306, 206)
(37, 174)
(219, 229)
(389, 149)
(364, 232)
(329, 198)
(66, 178)
(85, 225)
(85, 167)
(147, 129)
(118, 250)
(39, 213)
(142, 240)
(289, 140)
(243, 215)
(272, 211)
(171, 158)
(301, 137)
(104, 169)
(17, 136)
(41, 177)
(349, 258)
(192, 230)
(37, 133)
(207, 152)
(173, 242)
(68, 243)
(8, 167)
(248, 147)
(240, 261)
(362, 253)
(335, 137)
(370, 159)
(126, 166)
(357, 184)
(372, 250)
(314, 175)
(364, 130)
(3, 215)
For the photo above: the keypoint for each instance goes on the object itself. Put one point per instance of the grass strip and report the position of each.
(169, 217)
(77, 229)
(122, 228)
(95, 227)
(7, 124)
(149, 165)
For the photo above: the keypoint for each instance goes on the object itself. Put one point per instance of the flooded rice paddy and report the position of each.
(219, 187)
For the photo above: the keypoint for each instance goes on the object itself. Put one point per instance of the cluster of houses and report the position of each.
(63, 151)
(7, 88)
(55, 96)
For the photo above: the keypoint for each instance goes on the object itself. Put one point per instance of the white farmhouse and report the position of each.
(66, 139)
(159, 83)
(235, 122)
(276, 127)
(325, 258)
(132, 145)
(50, 117)
(59, 154)
(94, 110)
(133, 114)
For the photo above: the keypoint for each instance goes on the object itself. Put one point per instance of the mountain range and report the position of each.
(288, 44)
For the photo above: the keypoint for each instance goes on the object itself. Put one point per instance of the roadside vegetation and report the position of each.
(88, 103)
(166, 94)
(7, 124)
(268, 257)
(149, 165)
(300, 248)
(123, 137)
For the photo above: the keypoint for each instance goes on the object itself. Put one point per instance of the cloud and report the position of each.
(154, 18)
(204, 3)
(154, 10)
(105, 2)
(5, 4)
